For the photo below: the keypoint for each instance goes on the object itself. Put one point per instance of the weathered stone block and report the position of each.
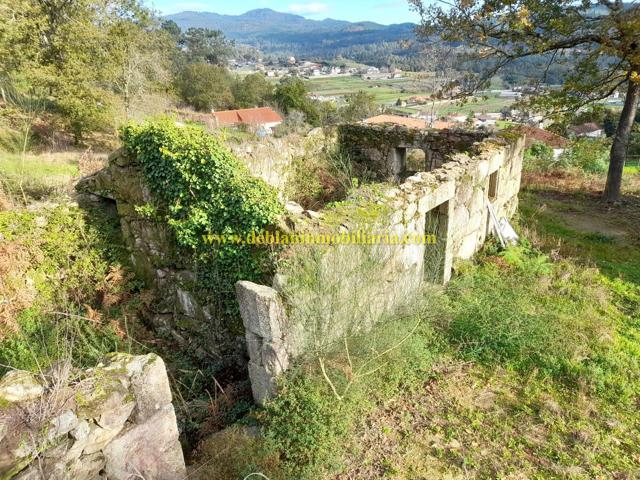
(132, 454)
(275, 358)
(19, 386)
(263, 383)
(261, 310)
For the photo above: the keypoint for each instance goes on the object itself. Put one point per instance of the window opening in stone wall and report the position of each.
(493, 186)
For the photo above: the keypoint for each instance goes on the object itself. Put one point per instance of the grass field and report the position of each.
(30, 177)
(387, 92)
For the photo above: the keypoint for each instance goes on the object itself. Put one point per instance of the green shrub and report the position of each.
(588, 154)
(202, 189)
(307, 425)
(67, 287)
(539, 157)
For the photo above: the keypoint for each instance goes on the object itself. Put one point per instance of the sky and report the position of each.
(380, 11)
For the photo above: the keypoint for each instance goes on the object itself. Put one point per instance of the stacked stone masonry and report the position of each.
(456, 194)
(180, 312)
(113, 422)
(463, 172)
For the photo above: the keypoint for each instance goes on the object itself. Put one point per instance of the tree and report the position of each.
(172, 29)
(358, 106)
(79, 53)
(291, 94)
(140, 56)
(58, 46)
(252, 91)
(205, 87)
(601, 37)
(208, 46)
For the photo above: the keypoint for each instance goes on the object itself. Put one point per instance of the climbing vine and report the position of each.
(202, 189)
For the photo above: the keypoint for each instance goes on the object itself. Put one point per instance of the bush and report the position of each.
(66, 286)
(539, 157)
(202, 189)
(307, 425)
(291, 95)
(587, 154)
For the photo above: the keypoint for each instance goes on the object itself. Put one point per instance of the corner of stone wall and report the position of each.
(114, 421)
(265, 322)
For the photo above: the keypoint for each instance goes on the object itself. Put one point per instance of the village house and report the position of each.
(587, 130)
(537, 135)
(263, 118)
(408, 122)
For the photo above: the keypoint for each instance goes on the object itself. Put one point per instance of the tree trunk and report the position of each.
(619, 147)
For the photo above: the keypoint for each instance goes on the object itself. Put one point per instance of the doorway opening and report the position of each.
(437, 255)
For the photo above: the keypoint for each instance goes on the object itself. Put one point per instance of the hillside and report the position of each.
(284, 33)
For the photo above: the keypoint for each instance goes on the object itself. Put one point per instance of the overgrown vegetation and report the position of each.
(29, 177)
(66, 291)
(586, 155)
(552, 327)
(527, 363)
(317, 180)
(202, 189)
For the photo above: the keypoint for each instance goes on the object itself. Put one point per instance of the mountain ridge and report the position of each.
(287, 33)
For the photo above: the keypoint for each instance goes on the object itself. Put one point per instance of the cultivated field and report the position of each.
(388, 91)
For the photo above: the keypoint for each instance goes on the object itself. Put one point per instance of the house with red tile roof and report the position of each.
(407, 122)
(263, 117)
(591, 130)
(537, 135)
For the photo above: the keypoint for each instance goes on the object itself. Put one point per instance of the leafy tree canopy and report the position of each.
(204, 45)
(602, 38)
(206, 87)
(82, 54)
(253, 91)
(291, 95)
(359, 105)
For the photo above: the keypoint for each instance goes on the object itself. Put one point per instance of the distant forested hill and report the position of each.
(286, 34)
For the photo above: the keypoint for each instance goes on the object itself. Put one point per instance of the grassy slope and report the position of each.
(35, 177)
(525, 367)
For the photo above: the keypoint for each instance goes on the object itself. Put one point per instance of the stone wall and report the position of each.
(271, 158)
(182, 311)
(178, 312)
(463, 172)
(383, 148)
(357, 286)
(113, 422)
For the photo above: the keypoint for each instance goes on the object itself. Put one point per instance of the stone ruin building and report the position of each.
(120, 418)
(464, 172)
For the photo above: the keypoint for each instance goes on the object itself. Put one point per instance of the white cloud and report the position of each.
(312, 8)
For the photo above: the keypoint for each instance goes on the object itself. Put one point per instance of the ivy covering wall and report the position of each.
(200, 188)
